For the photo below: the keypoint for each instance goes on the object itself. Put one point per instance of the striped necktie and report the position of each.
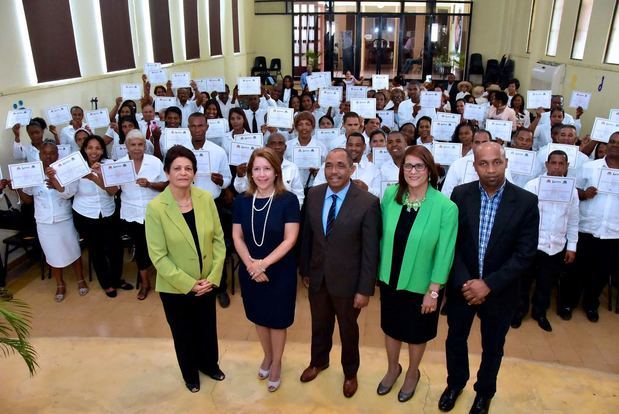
(331, 215)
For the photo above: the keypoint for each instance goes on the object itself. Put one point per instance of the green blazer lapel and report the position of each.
(174, 214)
(201, 215)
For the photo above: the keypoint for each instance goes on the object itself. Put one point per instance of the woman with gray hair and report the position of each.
(134, 197)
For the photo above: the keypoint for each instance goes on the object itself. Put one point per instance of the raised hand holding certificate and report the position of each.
(98, 118)
(306, 157)
(520, 161)
(431, 99)
(356, 92)
(204, 162)
(609, 181)
(216, 84)
(59, 115)
(446, 116)
(580, 99)
(280, 117)
(158, 77)
(603, 129)
(538, 99)
(380, 82)
(500, 129)
(164, 102)
(130, 91)
(380, 155)
(474, 112)
(240, 153)
(26, 174)
(387, 117)
(18, 116)
(556, 189)
(180, 79)
(248, 138)
(443, 130)
(70, 168)
(118, 173)
(177, 136)
(150, 66)
(614, 115)
(570, 150)
(249, 85)
(445, 153)
(331, 96)
(216, 128)
(315, 81)
(365, 108)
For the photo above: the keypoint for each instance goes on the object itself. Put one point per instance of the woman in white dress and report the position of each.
(52, 212)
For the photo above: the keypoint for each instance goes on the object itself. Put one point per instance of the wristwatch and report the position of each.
(434, 294)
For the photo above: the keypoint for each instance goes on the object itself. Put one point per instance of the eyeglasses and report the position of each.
(418, 167)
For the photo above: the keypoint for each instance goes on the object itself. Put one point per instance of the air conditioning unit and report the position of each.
(548, 76)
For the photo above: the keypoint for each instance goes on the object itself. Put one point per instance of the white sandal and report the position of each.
(274, 385)
(60, 292)
(263, 373)
(82, 290)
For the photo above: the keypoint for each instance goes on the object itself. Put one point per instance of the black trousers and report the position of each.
(193, 323)
(596, 259)
(325, 309)
(138, 234)
(545, 272)
(495, 321)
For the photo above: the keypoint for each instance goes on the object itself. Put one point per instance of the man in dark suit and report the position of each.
(339, 263)
(497, 242)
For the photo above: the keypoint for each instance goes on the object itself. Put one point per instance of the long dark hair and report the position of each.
(425, 155)
(121, 134)
(238, 111)
(456, 135)
(213, 102)
(85, 144)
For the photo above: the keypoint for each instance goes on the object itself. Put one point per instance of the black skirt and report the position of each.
(401, 317)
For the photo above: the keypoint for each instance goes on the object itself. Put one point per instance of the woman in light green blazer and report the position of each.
(417, 249)
(186, 246)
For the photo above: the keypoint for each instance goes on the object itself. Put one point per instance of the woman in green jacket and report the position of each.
(186, 245)
(417, 249)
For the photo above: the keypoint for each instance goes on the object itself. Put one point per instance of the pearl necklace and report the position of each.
(414, 204)
(268, 204)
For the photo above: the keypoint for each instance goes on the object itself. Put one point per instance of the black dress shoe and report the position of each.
(565, 313)
(448, 399)
(216, 374)
(384, 389)
(125, 286)
(224, 299)
(543, 323)
(481, 405)
(111, 293)
(592, 315)
(193, 387)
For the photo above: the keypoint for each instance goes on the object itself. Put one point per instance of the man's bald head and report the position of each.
(490, 164)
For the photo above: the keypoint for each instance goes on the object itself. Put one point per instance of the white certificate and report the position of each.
(249, 85)
(431, 99)
(280, 117)
(70, 169)
(384, 185)
(365, 108)
(150, 66)
(429, 112)
(538, 99)
(27, 174)
(326, 135)
(204, 162)
(603, 129)
(331, 96)
(118, 151)
(19, 116)
(443, 130)
(445, 153)
(180, 79)
(556, 189)
(446, 116)
(98, 118)
(570, 150)
(64, 150)
(380, 155)
(177, 136)
(248, 138)
(500, 129)
(470, 174)
(130, 91)
(315, 81)
(580, 99)
(306, 157)
(118, 173)
(609, 181)
(380, 82)
(158, 77)
(387, 118)
(211, 85)
(475, 112)
(59, 115)
(356, 92)
(614, 115)
(240, 153)
(216, 128)
(164, 102)
(326, 79)
(520, 161)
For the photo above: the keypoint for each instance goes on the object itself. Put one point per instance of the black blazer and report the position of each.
(348, 260)
(511, 248)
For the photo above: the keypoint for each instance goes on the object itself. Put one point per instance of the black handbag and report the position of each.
(11, 218)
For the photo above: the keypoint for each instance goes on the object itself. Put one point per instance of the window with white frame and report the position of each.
(612, 51)
(555, 25)
(582, 27)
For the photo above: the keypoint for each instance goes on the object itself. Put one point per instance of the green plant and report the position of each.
(15, 319)
(312, 58)
(458, 60)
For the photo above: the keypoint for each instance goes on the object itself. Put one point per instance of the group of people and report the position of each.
(378, 211)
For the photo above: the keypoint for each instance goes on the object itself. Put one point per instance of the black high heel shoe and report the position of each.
(193, 387)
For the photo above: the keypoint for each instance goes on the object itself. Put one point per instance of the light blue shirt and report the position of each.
(341, 195)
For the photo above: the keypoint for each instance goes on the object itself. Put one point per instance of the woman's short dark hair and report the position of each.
(37, 122)
(158, 87)
(423, 118)
(425, 155)
(99, 140)
(178, 151)
(326, 117)
(501, 96)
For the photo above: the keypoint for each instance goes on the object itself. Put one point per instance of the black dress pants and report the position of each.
(193, 323)
(596, 259)
(325, 309)
(544, 272)
(495, 322)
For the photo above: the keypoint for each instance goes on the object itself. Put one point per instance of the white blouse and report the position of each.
(50, 205)
(133, 198)
(92, 201)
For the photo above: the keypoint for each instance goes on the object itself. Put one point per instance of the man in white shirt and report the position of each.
(390, 171)
(186, 105)
(461, 171)
(558, 235)
(567, 136)
(408, 109)
(598, 237)
(255, 114)
(290, 172)
(225, 103)
(366, 175)
(522, 140)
